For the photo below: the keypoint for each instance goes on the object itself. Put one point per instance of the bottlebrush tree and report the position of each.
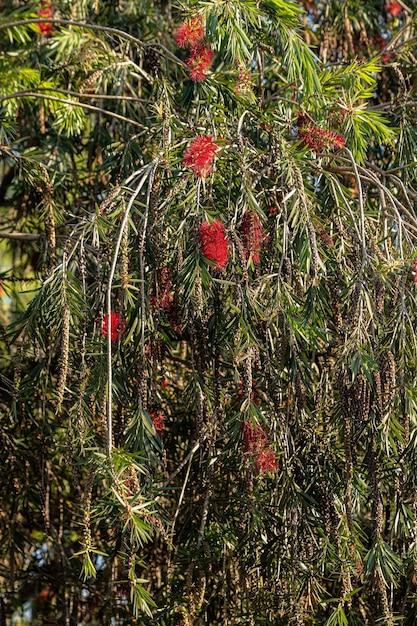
(208, 310)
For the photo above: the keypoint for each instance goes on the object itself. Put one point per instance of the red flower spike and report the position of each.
(46, 10)
(158, 420)
(199, 155)
(319, 139)
(338, 141)
(116, 326)
(253, 234)
(199, 61)
(266, 461)
(393, 8)
(190, 32)
(257, 445)
(213, 243)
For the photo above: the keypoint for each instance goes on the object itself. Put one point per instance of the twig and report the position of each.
(83, 105)
(147, 170)
(105, 29)
(21, 236)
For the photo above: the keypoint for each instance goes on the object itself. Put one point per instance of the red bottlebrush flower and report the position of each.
(199, 61)
(116, 326)
(46, 10)
(393, 8)
(158, 419)
(324, 236)
(257, 445)
(253, 437)
(381, 43)
(318, 139)
(266, 461)
(338, 141)
(190, 32)
(213, 243)
(253, 234)
(199, 155)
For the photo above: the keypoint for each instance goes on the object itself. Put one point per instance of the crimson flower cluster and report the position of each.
(191, 34)
(213, 243)
(319, 139)
(253, 235)
(46, 10)
(115, 327)
(257, 445)
(199, 155)
(381, 43)
(158, 419)
(393, 8)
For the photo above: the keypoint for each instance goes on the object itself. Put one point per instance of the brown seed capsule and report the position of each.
(379, 297)
(299, 391)
(63, 365)
(388, 375)
(355, 302)
(151, 60)
(335, 302)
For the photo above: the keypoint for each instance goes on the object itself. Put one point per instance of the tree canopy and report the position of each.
(208, 276)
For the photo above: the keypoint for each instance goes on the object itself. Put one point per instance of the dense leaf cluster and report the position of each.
(207, 390)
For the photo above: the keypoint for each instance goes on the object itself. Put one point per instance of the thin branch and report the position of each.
(92, 96)
(148, 169)
(90, 107)
(160, 49)
(361, 207)
(21, 236)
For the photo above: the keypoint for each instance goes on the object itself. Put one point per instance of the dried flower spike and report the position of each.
(190, 32)
(199, 61)
(199, 155)
(253, 234)
(116, 326)
(213, 243)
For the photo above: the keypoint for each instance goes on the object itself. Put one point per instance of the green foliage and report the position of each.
(199, 431)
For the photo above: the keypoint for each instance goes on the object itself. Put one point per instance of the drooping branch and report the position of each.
(83, 105)
(158, 47)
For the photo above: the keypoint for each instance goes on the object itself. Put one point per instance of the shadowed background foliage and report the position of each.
(207, 312)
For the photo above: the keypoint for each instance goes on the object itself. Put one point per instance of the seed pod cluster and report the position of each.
(388, 376)
(299, 391)
(379, 292)
(334, 293)
(151, 60)
(355, 303)
(287, 270)
(64, 360)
